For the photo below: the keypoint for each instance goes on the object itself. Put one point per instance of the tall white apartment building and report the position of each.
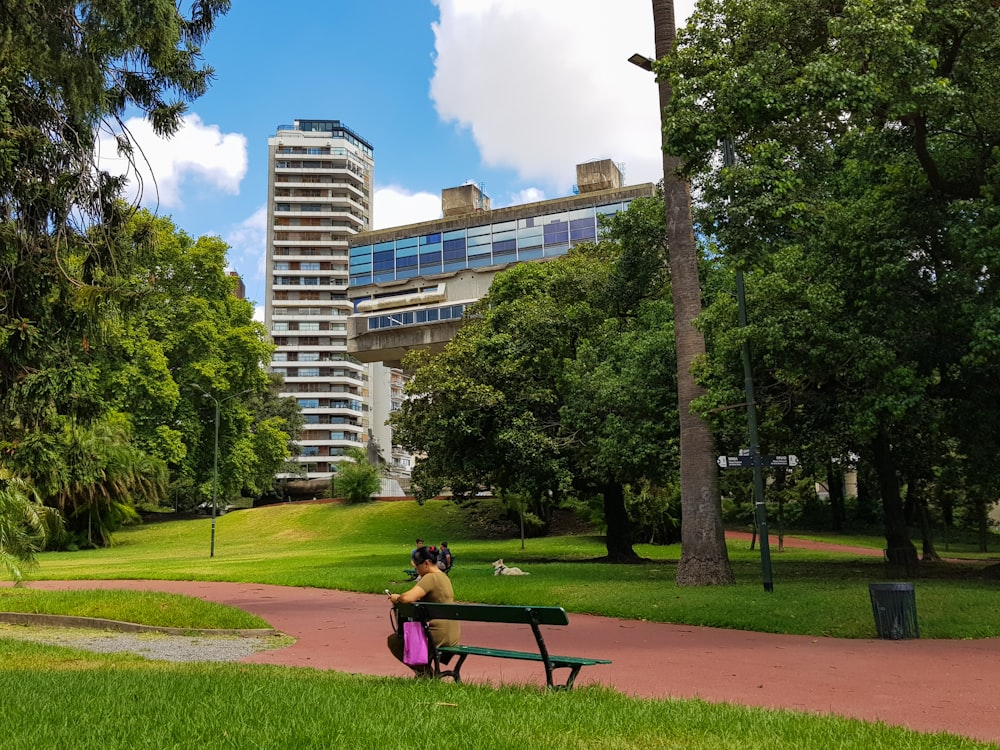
(320, 178)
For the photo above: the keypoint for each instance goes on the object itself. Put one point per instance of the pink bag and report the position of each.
(415, 652)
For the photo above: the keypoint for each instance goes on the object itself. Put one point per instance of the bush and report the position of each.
(655, 513)
(357, 480)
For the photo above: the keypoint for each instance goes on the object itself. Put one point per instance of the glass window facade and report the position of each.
(543, 236)
(415, 317)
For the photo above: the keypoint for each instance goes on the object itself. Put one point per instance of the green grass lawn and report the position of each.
(66, 698)
(366, 548)
(87, 701)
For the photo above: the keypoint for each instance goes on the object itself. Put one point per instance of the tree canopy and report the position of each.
(863, 206)
(561, 382)
(113, 323)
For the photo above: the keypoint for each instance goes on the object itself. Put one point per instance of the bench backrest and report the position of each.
(508, 613)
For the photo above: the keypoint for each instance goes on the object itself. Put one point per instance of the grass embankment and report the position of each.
(143, 607)
(92, 702)
(365, 548)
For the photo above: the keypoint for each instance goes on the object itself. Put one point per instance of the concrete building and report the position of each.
(410, 285)
(320, 183)
(240, 289)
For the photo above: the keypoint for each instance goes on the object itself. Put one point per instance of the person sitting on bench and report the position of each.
(432, 586)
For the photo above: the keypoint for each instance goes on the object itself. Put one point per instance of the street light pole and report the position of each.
(215, 475)
(760, 509)
(215, 458)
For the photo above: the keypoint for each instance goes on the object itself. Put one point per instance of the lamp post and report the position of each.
(215, 459)
(760, 509)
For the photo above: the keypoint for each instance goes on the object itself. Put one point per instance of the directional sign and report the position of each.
(783, 461)
(746, 462)
(735, 462)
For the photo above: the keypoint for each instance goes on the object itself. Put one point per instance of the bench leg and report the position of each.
(455, 672)
(573, 672)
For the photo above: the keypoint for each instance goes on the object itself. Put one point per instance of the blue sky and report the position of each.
(510, 93)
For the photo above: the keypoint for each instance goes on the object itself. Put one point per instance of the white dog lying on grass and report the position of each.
(499, 569)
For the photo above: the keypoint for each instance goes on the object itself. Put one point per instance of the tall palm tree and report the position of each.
(704, 559)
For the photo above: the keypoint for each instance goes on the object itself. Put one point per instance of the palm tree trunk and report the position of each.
(704, 559)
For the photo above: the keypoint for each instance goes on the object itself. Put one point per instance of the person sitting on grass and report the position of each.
(444, 558)
(432, 586)
(411, 572)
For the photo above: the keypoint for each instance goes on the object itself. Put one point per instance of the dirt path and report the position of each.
(792, 541)
(925, 685)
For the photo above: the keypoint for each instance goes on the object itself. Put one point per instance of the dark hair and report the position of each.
(423, 554)
(419, 540)
(444, 544)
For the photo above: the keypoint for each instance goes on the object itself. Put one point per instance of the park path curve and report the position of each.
(925, 685)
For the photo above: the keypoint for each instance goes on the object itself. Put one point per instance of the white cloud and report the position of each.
(248, 243)
(394, 206)
(544, 86)
(197, 153)
(527, 195)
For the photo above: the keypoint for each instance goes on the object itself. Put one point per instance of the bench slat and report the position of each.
(525, 655)
(500, 613)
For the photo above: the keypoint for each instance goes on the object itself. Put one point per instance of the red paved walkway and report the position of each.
(926, 685)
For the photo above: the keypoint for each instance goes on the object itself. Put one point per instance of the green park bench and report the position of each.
(512, 614)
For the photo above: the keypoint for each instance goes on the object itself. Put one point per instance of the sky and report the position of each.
(512, 94)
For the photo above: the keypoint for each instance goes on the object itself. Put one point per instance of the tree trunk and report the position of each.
(897, 539)
(779, 487)
(704, 558)
(929, 552)
(983, 516)
(619, 538)
(916, 514)
(835, 486)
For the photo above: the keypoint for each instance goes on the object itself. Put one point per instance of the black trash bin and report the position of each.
(894, 606)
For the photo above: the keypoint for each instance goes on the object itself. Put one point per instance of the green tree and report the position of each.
(864, 204)
(93, 475)
(357, 479)
(71, 68)
(67, 70)
(198, 338)
(560, 383)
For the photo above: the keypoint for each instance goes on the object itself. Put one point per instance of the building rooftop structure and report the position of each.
(410, 285)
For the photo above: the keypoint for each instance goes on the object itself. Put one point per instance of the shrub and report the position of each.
(357, 480)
